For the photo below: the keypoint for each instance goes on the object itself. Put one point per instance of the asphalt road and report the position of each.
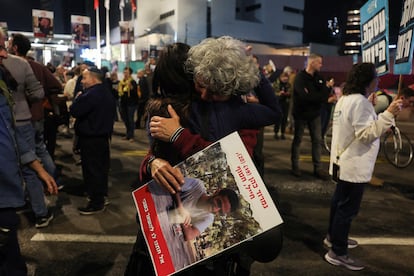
(100, 244)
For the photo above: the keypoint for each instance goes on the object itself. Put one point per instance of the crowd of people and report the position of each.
(189, 98)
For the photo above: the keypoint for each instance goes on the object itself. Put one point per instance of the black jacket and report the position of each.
(94, 111)
(309, 92)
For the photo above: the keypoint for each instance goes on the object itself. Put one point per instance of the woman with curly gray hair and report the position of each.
(222, 67)
(222, 72)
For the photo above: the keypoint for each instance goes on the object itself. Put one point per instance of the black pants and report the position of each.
(95, 157)
(11, 260)
(224, 265)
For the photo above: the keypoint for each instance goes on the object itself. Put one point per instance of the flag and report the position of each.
(121, 4)
(106, 4)
(133, 5)
(95, 4)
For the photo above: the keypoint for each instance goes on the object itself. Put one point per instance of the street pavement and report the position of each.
(100, 244)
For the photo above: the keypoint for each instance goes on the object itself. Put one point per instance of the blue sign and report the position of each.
(404, 53)
(374, 34)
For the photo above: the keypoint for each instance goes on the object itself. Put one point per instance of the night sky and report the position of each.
(318, 12)
(18, 14)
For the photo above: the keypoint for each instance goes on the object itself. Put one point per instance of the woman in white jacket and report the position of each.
(354, 150)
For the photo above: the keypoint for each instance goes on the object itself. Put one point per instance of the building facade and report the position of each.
(264, 23)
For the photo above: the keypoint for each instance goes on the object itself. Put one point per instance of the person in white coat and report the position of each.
(354, 149)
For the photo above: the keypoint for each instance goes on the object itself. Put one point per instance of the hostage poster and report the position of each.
(223, 203)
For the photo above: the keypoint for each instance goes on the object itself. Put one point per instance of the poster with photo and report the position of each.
(127, 32)
(42, 23)
(80, 26)
(222, 204)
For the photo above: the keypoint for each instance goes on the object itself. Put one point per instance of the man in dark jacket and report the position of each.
(309, 92)
(94, 110)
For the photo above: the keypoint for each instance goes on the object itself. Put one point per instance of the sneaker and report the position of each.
(321, 174)
(296, 172)
(44, 221)
(91, 210)
(106, 200)
(345, 260)
(351, 243)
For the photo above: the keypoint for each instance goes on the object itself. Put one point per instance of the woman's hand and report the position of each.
(395, 107)
(167, 176)
(162, 128)
(373, 98)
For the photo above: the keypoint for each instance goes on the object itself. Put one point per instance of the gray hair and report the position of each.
(222, 66)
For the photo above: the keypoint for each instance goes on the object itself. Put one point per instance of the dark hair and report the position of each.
(22, 42)
(232, 196)
(129, 69)
(96, 72)
(359, 78)
(171, 85)
(170, 77)
(407, 92)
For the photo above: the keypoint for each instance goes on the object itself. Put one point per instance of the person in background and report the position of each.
(326, 109)
(70, 88)
(143, 96)
(271, 72)
(407, 97)
(354, 150)
(309, 92)
(128, 94)
(114, 90)
(282, 87)
(19, 45)
(94, 110)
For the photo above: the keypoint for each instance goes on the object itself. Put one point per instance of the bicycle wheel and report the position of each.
(398, 149)
(327, 139)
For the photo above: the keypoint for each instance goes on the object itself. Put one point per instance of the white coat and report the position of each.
(355, 137)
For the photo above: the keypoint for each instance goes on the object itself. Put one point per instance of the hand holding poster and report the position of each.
(223, 203)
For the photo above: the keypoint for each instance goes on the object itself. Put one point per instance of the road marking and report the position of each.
(135, 153)
(326, 159)
(131, 239)
(384, 241)
(83, 238)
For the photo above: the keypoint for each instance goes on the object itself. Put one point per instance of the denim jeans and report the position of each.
(41, 150)
(314, 126)
(34, 185)
(345, 205)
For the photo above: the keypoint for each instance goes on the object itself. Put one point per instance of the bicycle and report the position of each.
(397, 147)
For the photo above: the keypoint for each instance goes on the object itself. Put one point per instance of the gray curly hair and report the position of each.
(222, 66)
